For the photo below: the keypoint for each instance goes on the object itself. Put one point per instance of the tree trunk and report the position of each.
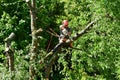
(34, 39)
(9, 52)
(34, 32)
(10, 60)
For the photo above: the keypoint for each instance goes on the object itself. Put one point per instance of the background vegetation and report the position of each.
(99, 57)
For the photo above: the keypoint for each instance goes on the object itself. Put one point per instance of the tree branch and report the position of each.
(52, 33)
(49, 43)
(84, 30)
(38, 31)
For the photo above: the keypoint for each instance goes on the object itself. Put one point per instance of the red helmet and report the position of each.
(65, 22)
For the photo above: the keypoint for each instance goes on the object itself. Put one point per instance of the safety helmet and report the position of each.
(65, 22)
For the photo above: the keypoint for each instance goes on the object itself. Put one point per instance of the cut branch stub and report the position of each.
(10, 38)
(9, 52)
(8, 41)
(38, 31)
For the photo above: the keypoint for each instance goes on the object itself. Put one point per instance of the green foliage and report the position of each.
(99, 57)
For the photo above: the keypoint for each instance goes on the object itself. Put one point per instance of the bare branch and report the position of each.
(38, 31)
(84, 30)
(49, 43)
(52, 33)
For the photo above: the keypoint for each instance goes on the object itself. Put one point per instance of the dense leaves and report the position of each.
(99, 54)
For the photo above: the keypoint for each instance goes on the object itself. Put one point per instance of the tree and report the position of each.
(34, 32)
(98, 54)
(33, 52)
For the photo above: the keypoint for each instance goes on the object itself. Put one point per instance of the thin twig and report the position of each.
(49, 43)
(52, 33)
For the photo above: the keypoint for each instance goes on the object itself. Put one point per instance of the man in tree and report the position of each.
(65, 35)
(65, 32)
